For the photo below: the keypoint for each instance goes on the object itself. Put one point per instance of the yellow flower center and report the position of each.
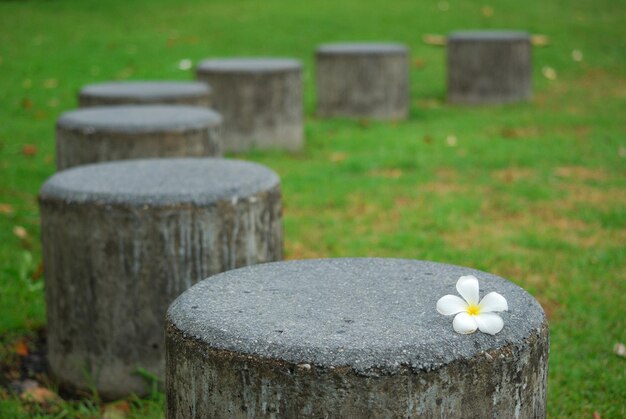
(473, 310)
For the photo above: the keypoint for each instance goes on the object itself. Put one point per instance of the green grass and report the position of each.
(535, 192)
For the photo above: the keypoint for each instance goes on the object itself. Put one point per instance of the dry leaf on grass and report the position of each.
(577, 55)
(6, 209)
(38, 272)
(29, 149)
(549, 73)
(21, 348)
(50, 83)
(540, 40)
(338, 157)
(619, 349)
(40, 395)
(116, 410)
(20, 232)
(438, 40)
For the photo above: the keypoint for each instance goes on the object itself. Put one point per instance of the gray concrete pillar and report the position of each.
(260, 100)
(488, 67)
(145, 93)
(350, 338)
(122, 239)
(106, 133)
(362, 80)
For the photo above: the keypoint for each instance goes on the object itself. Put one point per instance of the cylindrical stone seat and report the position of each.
(260, 100)
(104, 133)
(349, 338)
(362, 80)
(168, 92)
(122, 239)
(489, 67)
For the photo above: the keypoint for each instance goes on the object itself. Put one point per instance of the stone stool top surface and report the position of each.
(160, 182)
(489, 36)
(362, 48)
(371, 314)
(139, 118)
(248, 65)
(148, 90)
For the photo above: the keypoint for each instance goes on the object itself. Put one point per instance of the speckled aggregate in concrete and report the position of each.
(373, 315)
(148, 90)
(362, 48)
(248, 65)
(488, 36)
(196, 181)
(138, 119)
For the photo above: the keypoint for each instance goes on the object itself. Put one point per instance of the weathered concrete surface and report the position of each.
(145, 92)
(488, 67)
(349, 338)
(121, 240)
(260, 100)
(362, 80)
(106, 133)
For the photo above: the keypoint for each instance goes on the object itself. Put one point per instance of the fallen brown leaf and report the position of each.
(40, 395)
(418, 63)
(487, 11)
(540, 40)
(38, 272)
(596, 415)
(438, 40)
(549, 73)
(21, 348)
(20, 232)
(50, 83)
(6, 209)
(27, 103)
(619, 349)
(116, 410)
(29, 149)
(338, 157)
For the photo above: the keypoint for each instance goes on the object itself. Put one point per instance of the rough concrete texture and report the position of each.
(121, 240)
(260, 99)
(145, 92)
(349, 338)
(487, 67)
(106, 133)
(362, 80)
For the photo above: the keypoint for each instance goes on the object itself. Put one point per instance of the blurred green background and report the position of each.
(534, 192)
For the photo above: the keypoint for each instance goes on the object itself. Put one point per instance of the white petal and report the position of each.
(489, 323)
(467, 286)
(493, 302)
(464, 323)
(451, 304)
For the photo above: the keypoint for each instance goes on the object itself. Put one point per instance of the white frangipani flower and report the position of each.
(470, 313)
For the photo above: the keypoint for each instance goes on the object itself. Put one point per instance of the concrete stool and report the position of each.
(349, 338)
(260, 99)
(122, 239)
(144, 93)
(136, 131)
(489, 67)
(368, 80)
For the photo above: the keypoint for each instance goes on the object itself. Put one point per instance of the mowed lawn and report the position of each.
(534, 192)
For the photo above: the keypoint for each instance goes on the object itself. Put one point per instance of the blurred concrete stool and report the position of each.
(363, 80)
(260, 99)
(144, 93)
(105, 133)
(487, 67)
(349, 338)
(122, 239)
